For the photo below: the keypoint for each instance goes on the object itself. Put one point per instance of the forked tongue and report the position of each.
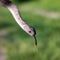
(35, 41)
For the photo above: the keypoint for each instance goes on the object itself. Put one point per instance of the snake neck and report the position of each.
(15, 12)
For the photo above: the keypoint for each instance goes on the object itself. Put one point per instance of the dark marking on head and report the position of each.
(33, 30)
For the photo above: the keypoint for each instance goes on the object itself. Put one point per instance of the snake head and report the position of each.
(31, 31)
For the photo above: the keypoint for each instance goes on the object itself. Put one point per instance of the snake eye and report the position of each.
(29, 31)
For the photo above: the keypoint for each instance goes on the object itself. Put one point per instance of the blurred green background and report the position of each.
(41, 14)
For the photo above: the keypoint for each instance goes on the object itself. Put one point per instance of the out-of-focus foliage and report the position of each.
(20, 1)
(19, 45)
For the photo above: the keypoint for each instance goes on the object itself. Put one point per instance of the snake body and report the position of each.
(16, 14)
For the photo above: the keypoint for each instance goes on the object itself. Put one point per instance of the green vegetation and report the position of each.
(20, 46)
